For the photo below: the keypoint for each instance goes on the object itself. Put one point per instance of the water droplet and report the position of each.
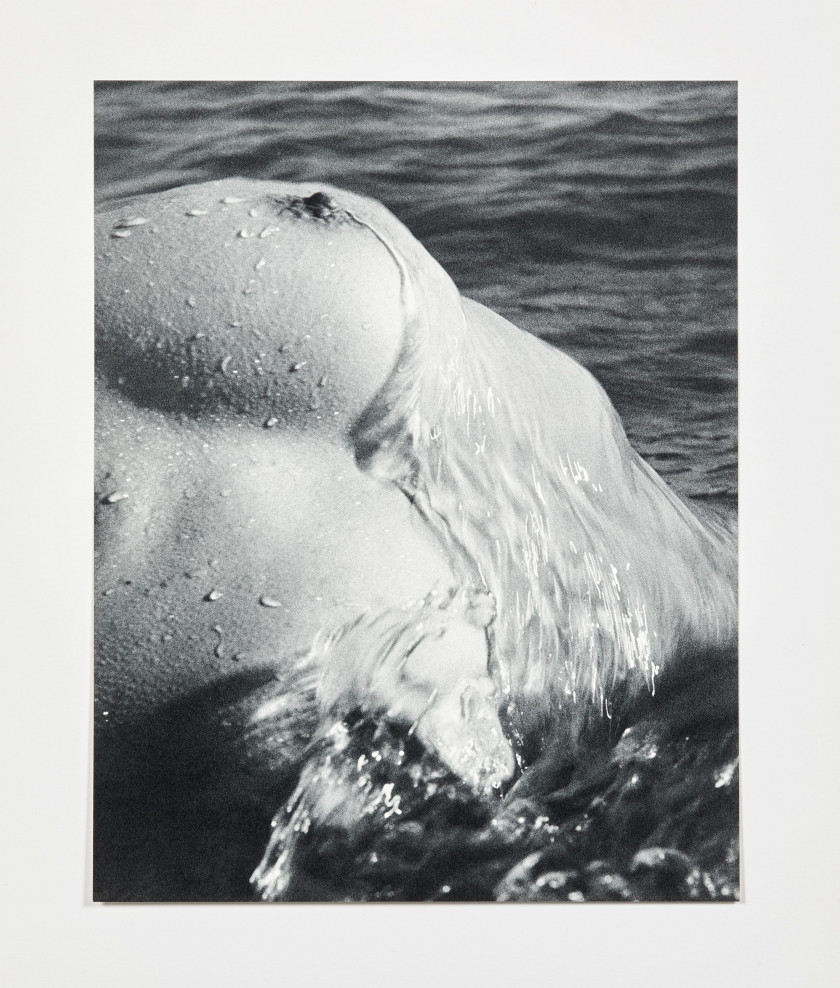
(213, 595)
(196, 212)
(114, 497)
(130, 221)
(235, 325)
(269, 602)
(268, 231)
(270, 422)
(121, 233)
(107, 593)
(298, 366)
(243, 233)
(322, 381)
(253, 212)
(260, 264)
(191, 302)
(228, 200)
(223, 365)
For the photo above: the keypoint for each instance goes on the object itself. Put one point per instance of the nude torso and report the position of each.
(244, 330)
(230, 372)
(234, 545)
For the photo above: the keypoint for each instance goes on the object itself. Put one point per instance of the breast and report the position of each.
(250, 299)
(241, 329)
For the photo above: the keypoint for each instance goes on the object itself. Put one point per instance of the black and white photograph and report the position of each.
(420, 466)
(416, 492)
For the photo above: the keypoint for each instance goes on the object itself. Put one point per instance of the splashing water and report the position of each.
(599, 578)
(520, 465)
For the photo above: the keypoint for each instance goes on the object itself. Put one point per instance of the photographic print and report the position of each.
(416, 492)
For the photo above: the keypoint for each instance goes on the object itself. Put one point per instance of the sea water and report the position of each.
(602, 218)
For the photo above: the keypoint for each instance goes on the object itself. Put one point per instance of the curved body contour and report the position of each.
(299, 421)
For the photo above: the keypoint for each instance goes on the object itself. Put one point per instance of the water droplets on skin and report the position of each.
(539, 488)
(196, 212)
(230, 200)
(129, 222)
(114, 497)
(218, 650)
(267, 601)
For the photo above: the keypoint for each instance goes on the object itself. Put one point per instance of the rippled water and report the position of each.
(601, 217)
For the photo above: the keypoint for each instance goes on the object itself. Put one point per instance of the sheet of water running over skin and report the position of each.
(388, 607)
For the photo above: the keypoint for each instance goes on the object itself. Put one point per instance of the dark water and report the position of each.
(601, 217)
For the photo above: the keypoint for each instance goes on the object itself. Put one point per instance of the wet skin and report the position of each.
(232, 521)
(245, 331)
